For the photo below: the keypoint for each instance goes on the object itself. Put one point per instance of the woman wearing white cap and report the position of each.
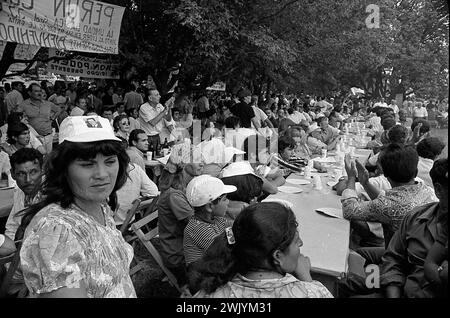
(71, 247)
(207, 195)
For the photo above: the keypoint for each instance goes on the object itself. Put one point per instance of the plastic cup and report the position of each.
(352, 151)
(317, 181)
(165, 152)
(149, 155)
(307, 172)
(337, 174)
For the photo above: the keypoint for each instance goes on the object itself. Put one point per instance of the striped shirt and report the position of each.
(198, 236)
(293, 165)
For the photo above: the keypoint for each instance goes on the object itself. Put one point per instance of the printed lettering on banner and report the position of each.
(74, 25)
(84, 66)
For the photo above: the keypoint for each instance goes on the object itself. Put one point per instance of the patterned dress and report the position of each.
(67, 247)
(286, 287)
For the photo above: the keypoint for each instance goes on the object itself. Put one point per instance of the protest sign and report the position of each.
(218, 86)
(22, 52)
(76, 25)
(84, 66)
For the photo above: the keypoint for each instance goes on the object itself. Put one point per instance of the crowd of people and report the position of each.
(76, 156)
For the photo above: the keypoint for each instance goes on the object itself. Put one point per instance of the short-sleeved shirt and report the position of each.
(198, 236)
(147, 113)
(65, 247)
(13, 100)
(173, 208)
(420, 112)
(260, 115)
(244, 112)
(5, 165)
(137, 184)
(39, 114)
(285, 287)
(133, 100)
(136, 157)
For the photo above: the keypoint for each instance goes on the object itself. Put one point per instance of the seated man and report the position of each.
(138, 184)
(402, 268)
(26, 169)
(428, 150)
(138, 145)
(326, 134)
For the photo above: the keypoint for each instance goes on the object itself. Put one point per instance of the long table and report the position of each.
(325, 239)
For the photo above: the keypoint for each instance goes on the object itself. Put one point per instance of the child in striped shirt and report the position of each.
(207, 195)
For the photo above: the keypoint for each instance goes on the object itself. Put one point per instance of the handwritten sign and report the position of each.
(76, 25)
(84, 66)
(217, 86)
(22, 52)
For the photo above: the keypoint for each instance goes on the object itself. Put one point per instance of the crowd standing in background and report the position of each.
(78, 154)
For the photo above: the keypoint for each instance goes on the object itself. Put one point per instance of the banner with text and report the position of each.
(83, 66)
(218, 86)
(75, 25)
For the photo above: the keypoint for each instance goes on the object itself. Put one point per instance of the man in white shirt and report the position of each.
(395, 108)
(301, 110)
(14, 98)
(26, 170)
(381, 103)
(260, 115)
(419, 111)
(151, 116)
(428, 149)
(137, 184)
(137, 145)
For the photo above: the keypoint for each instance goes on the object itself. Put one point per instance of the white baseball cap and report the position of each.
(238, 168)
(204, 189)
(86, 129)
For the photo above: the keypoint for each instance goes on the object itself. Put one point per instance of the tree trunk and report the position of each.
(7, 58)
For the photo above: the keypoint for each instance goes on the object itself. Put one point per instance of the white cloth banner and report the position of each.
(22, 52)
(75, 25)
(217, 86)
(356, 90)
(83, 66)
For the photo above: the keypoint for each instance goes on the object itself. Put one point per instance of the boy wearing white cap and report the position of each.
(207, 195)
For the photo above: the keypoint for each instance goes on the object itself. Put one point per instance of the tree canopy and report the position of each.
(315, 46)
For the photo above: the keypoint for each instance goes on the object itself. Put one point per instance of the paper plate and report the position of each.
(325, 160)
(288, 189)
(331, 183)
(333, 212)
(284, 202)
(298, 181)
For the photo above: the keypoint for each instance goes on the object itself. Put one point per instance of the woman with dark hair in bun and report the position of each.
(258, 257)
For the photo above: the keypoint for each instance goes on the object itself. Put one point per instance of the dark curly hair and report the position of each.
(259, 230)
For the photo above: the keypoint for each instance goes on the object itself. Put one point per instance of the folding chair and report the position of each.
(145, 238)
(141, 206)
(13, 260)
